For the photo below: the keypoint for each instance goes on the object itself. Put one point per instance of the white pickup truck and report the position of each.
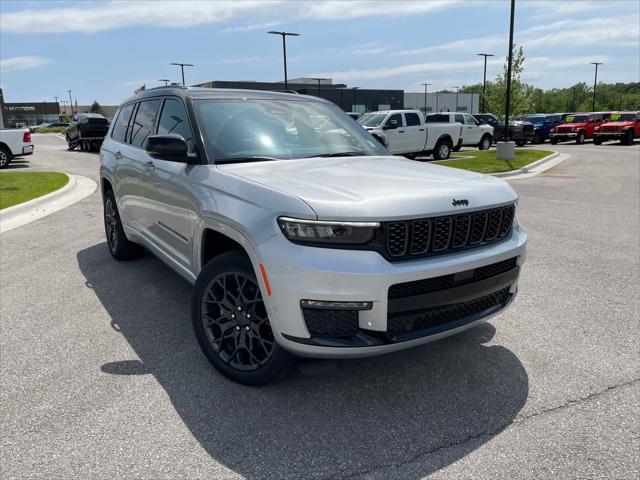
(474, 133)
(406, 133)
(14, 143)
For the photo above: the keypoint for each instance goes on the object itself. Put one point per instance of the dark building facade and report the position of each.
(29, 113)
(348, 98)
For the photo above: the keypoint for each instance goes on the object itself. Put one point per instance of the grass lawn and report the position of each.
(485, 161)
(18, 187)
(51, 130)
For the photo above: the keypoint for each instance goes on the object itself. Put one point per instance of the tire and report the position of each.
(457, 148)
(521, 143)
(234, 332)
(628, 137)
(597, 141)
(119, 246)
(554, 141)
(70, 145)
(485, 143)
(5, 157)
(537, 137)
(580, 138)
(442, 150)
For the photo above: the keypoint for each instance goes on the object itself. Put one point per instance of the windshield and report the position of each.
(576, 119)
(622, 117)
(534, 119)
(372, 119)
(237, 130)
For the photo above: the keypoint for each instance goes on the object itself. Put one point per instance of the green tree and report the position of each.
(522, 95)
(95, 107)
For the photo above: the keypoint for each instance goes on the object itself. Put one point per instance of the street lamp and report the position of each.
(595, 83)
(70, 102)
(484, 81)
(425, 96)
(508, 99)
(284, 36)
(437, 102)
(318, 80)
(182, 65)
(165, 80)
(457, 88)
(58, 104)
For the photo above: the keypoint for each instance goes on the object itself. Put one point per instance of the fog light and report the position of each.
(325, 305)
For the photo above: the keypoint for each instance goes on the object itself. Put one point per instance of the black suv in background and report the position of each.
(519, 131)
(87, 130)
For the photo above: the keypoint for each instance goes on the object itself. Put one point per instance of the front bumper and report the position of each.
(28, 150)
(563, 136)
(298, 272)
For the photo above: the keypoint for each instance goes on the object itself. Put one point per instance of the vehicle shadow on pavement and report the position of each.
(357, 417)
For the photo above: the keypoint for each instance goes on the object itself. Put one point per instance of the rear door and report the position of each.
(416, 136)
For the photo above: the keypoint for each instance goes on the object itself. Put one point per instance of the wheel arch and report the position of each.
(445, 137)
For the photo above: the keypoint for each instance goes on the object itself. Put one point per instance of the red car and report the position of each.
(623, 126)
(578, 127)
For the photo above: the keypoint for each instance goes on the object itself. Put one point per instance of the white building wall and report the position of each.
(443, 102)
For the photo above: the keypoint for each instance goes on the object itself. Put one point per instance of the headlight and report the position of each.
(596, 129)
(84, 120)
(319, 231)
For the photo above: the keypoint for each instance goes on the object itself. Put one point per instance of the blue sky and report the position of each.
(103, 50)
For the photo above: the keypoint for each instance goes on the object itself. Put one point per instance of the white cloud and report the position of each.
(234, 61)
(187, 13)
(250, 27)
(370, 48)
(23, 63)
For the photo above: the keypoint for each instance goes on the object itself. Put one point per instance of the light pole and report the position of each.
(484, 81)
(70, 102)
(284, 36)
(425, 96)
(595, 84)
(58, 104)
(318, 80)
(508, 99)
(165, 80)
(437, 102)
(457, 89)
(182, 65)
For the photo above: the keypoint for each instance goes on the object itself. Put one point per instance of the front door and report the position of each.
(471, 130)
(395, 136)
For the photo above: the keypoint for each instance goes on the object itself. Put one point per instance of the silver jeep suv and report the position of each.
(301, 234)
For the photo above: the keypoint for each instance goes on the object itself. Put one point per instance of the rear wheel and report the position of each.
(119, 246)
(554, 141)
(442, 150)
(5, 157)
(231, 322)
(70, 145)
(580, 138)
(485, 143)
(628, 137)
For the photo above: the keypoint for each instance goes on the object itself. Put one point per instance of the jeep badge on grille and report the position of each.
(462, 201)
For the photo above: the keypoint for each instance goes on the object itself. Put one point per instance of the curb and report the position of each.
(76, 189)
(527, 168)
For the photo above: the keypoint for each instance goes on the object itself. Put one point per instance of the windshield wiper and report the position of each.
(339, 154)
(222, 161)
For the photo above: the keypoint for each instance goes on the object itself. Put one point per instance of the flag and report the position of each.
(142, 88)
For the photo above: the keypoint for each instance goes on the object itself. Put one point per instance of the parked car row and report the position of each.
(14, 143)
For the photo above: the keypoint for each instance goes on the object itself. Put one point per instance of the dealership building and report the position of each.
(443, 102)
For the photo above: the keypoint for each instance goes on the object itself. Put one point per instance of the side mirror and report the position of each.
(171, 147)
(392, 125)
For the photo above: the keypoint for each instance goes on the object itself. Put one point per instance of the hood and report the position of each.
(574, 125)
(625, 123)
(376, 188)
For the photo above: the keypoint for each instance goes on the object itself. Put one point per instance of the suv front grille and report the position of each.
(564, 129)
(439, 235)
(610, 129)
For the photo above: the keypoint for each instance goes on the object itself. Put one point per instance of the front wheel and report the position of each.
(554, 141)
(628, 137)
(580, 138)
(231, 322)
(597, 141)
(442, 151)
(537, 137)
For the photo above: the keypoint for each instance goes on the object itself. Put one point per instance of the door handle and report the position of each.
(149, 165)
(422, 129)
(400, 131)
(118, 155)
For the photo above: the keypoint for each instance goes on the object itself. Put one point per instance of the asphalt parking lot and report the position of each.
(102, 377)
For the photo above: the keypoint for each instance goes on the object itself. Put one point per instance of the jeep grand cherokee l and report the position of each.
(301, 234)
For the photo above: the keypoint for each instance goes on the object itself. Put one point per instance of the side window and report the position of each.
(458, 117)
(173, 119)
(469, 120)
(397, 117)
(119, 131)
(142, 125)
(412, 119)
(437, 118)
